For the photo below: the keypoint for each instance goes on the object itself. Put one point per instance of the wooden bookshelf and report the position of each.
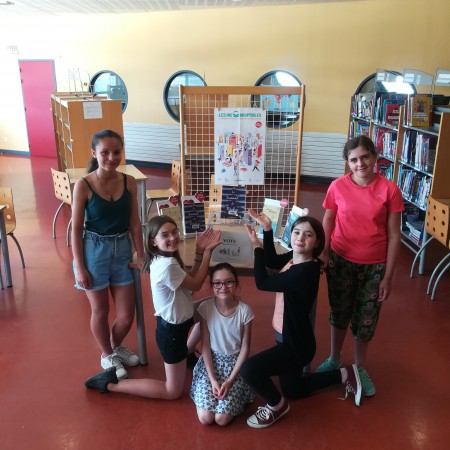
(76, 118)
(436, 173)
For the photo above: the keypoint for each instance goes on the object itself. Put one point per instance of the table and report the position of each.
(5, 251)
(140, 322)
(128, 169)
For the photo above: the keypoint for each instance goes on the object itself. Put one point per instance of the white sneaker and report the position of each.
(126, 356)
(114, 361)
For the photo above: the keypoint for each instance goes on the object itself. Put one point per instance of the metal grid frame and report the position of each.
(283, 144)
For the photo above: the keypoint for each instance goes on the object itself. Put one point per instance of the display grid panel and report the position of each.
(282, 143)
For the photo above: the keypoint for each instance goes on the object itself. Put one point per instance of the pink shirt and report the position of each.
(360, 233)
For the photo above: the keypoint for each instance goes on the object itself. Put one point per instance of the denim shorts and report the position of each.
(172, 339)
(106, 258)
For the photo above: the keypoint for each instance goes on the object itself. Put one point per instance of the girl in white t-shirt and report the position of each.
(218, 390)
(172, 286)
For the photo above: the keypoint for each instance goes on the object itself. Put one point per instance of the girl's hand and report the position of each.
(203, 240)
(215, 388)
(224, 389)
(207, 241)
(252, 235)
(261, 218)
(325, 258)
(83, 278)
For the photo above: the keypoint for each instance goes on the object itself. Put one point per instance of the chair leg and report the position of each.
(54, 219)
(436, 270)
(149, 206)
(69, 226)
(18, 248)
(438, 278)
(424, 245)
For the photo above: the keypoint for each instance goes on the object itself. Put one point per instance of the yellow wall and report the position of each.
(330, 47)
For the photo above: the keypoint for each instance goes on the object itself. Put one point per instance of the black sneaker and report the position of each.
(100, 380)
(353, 384)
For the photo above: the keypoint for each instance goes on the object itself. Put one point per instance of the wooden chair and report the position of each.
(63, 192)
(6, 198)
(174, 189)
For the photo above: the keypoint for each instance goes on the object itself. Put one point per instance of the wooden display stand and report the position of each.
(283, 144)
(76, 118)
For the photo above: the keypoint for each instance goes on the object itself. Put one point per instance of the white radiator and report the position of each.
(321, 152)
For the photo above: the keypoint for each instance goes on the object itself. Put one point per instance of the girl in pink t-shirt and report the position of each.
(362, 231)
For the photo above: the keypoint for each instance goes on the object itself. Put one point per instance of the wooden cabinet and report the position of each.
(76, 119)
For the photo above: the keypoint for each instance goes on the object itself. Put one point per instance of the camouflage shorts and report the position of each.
(353, 295)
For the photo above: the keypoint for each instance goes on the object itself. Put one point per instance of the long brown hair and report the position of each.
(151, 251)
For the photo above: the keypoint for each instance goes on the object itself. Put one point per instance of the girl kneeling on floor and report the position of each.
(219, 392)
(298, 283)
(171, 288)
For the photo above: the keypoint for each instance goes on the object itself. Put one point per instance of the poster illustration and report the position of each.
(239, 145)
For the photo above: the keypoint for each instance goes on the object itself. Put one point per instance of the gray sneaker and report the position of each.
(114, 361)
(126, 356)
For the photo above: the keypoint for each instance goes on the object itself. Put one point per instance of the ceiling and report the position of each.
(60, 7)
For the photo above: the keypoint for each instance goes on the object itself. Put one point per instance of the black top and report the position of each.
(108, 217)
(299, 285)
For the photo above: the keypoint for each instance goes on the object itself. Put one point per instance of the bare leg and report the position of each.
(194, 338)
(205, 417)
(170, 389)
(99, 319)
(361, 349)
(337, 341)
(123, 297)
(223, 419)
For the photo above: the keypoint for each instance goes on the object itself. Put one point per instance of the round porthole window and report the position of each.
(171, 94)
(281, 110)
(109, 84)
(394, 84)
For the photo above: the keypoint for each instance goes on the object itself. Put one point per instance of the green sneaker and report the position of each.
(368, 388)
(330, 364)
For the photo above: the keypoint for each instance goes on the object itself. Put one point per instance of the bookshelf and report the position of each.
(76, 118)
(416, 158)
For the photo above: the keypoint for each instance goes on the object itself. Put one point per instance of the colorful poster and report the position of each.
(239, 145)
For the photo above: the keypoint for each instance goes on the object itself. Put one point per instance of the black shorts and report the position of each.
(172, 339)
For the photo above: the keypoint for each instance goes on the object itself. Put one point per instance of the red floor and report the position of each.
(47, 351)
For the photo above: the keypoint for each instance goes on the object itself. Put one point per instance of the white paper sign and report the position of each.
(92, 110)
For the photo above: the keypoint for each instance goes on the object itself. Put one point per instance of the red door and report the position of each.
(38, 82)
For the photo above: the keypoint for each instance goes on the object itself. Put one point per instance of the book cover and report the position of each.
(420, 110)
(385, 168)
(233, 202)
(378, 137)
(274, 211)
(294, 214)
(391, 112)
(235, 248)
(172, 209)
(193, 212)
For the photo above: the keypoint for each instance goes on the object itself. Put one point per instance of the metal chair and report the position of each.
(6, 198)
(174, 189)
(63, 192)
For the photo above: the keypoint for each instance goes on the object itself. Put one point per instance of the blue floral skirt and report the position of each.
(201, 390)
